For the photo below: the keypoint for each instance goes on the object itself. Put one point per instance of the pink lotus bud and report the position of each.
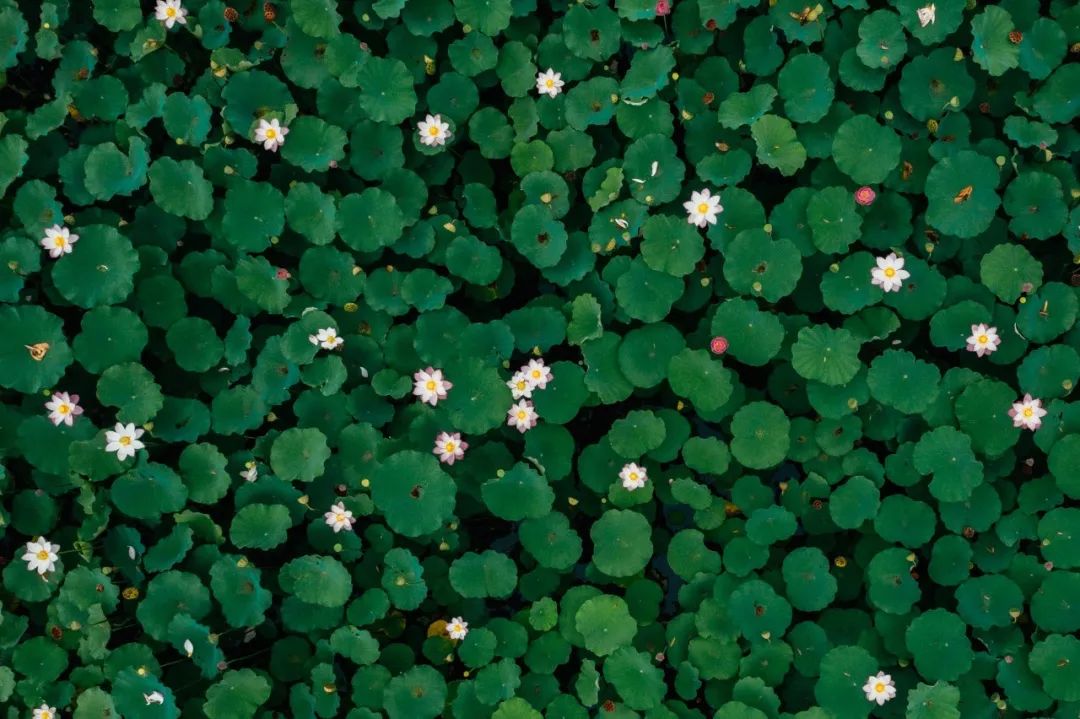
(663, 7)
(719, 345)
(865, 196)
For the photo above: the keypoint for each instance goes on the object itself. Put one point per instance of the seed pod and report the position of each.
(269, 12)
(231, 15)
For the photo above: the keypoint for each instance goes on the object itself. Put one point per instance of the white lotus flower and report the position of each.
(41, 556)
(250, 472)
(537, 373)
(549, 83)
(889, 273)
(326, 338)
(702, 208)
(457, 628)
(124, 440)
(450, 447)
(170, 12)
(1027, 413)
(927, 15)
(879, 688)
(271, 134)
(522, 416)
(984, 340)
(520, 386)
(58, 240)
(63, 408)
(339, 518)
(154, 697)
(433, 131)
(430, 386)
(633, 477)
(189, 647)
(45, 712)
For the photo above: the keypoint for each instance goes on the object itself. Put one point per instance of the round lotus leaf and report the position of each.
(413, 493)
(605, 624)
(760, 435)
(938, 642)
(622, 542)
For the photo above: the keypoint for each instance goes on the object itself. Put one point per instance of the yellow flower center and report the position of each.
(522, 384)
(46, 715)
(43, 555)
(449, 446)
(633, 476)
(430, 385)
(271, 133)
(549, 82)
(522, 415)
(63, 409)
(433, 131)
(124, 441)
(890, 272)
(1029, 412)
(983, 339)
(703, 208)
(339, 517)
(170, 12)
(879, 687)
(536, 374)
(60, 241)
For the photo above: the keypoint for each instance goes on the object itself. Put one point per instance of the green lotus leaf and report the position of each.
(313, 144)
(646, 294)
(1034, 200)
(1008, 270)
(932, 82)
(109, 172)
(413, 493)
(518, 494)
(487, 574)
(865, 151)
(622, 544)
(745, 108)
(1048, 313)
(754, 336)
(318, 580)
(181, 188)
(649, 73)
(777, 145)
(760, 435)
(605, 624)
(757, 265)
(882, 42)
(991, 46)
(827, 355)
(103, 270)
(806, 87)
(671, 245)
(634, 676)
(702, 380)
(937, 639)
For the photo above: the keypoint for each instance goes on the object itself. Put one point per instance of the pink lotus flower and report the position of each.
(984, 340)
(719, 345)
(1027, 413)
(450, 447)
(865, 196)
(63, 408)
(430, 385)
